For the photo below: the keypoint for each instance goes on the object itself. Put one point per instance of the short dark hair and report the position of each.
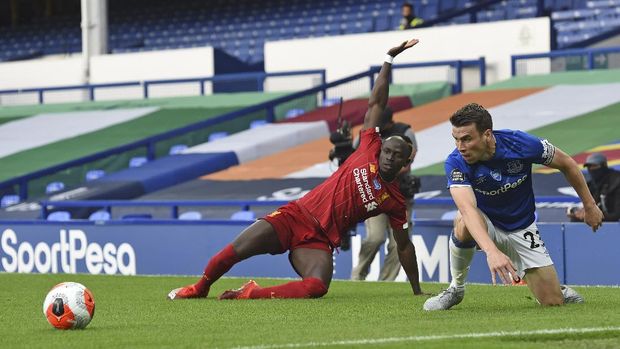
(472, 113)
(406, 4)
(407, 141)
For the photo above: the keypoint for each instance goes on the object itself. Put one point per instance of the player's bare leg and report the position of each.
(544, 284)
(258, 238)
(313, 265)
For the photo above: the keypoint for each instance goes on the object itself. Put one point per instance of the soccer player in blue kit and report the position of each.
(490, 180)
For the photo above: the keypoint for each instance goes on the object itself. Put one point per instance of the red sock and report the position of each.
(218, 266)
(306, 288)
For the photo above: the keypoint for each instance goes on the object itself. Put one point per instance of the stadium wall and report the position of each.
(139, 66)
(345, 55)
(184, 248)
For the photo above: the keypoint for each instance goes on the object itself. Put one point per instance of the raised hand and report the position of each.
(394, 51)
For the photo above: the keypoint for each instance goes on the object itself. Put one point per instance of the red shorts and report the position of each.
(295, 231)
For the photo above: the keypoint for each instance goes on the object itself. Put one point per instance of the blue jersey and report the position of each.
(503, 184)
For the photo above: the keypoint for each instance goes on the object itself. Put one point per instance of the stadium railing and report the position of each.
(590, 54)
(458, 65)
(268, 107)
(174, 205)
(259, 77)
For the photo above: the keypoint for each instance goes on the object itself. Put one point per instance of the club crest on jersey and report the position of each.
(383, 197)
(496, 174)
(514, 166)
(376, 184)
(371, 206)
(373, 168)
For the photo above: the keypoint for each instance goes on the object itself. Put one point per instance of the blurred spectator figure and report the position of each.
(409, 19)
(378, 229)
(604, 184)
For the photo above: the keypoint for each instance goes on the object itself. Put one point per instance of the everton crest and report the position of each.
(496, 174)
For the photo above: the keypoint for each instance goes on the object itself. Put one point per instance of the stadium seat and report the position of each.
(138, 161)
(8, 200)
(243, 216)
(190, 216)
(94, 174)
(258, 123)
(54, 187)
(177, 149)
(217, 135)
(101, 215)
(59, 216)
(294, 113)
(328, 102)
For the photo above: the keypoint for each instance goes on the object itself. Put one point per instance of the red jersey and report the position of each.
(356, 192)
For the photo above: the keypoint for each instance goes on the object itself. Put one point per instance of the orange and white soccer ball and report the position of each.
(69, 305)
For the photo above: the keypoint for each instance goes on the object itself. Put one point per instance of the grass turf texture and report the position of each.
(133, 312)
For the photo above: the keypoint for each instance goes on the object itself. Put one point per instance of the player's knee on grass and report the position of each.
(550, 298)
(315, 287)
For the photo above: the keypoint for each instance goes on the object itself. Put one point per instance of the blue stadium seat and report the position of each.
(217, 135)
(138, 161)
(292, 113)
(258, 123)
(94, 174)
(243, 216)
(190, 216)
(54, 187)
(382, 23)
(9, 200)
(59, 216)
(177, 149)
(330, 101)
(101, 215)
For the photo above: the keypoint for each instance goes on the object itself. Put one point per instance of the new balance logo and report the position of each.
(371, 206)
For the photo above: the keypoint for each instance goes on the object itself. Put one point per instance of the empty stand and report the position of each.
(241, 28)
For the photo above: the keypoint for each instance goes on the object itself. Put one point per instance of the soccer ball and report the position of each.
(69, 305)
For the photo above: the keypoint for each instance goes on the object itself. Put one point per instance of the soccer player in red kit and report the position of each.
(311, 227)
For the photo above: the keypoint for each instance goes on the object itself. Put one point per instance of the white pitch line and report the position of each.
(433, 338)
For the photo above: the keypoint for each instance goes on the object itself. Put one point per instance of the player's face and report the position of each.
(394, 155)
(472, 145)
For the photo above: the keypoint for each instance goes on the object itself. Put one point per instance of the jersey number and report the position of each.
(528, 235)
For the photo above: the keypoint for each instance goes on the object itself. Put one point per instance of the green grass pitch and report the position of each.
(132, 312)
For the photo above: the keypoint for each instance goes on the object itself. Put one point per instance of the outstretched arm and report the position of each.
(379, 96)
(499, 263)
(592, 215)
(408, 259)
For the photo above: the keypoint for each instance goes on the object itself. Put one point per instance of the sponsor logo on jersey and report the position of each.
(496, 174)
(373, 168)
(481, 179)
(363, 185)
(371, 206)
(514, 166)
(376, 184)
(504, 188)
(457, 176)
